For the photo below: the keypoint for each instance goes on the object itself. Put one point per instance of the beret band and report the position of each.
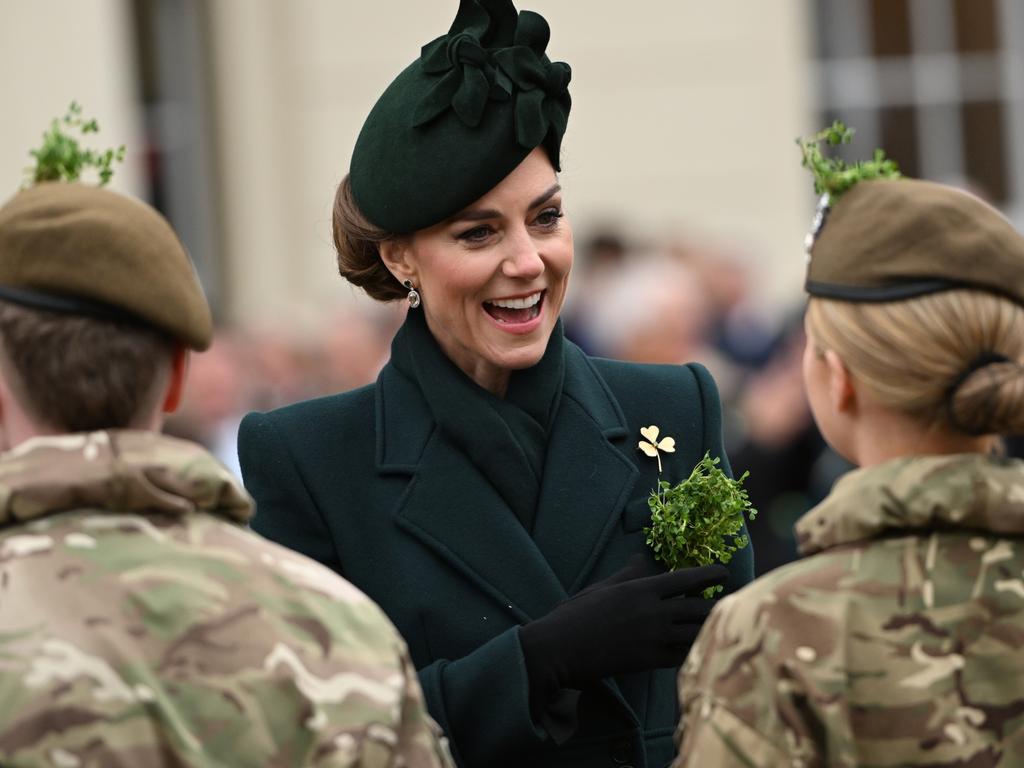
(874, 293)
(68, 305)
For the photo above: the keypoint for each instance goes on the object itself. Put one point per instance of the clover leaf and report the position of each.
(832, 175)
(62, 158)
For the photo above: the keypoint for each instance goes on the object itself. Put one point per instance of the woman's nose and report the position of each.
(523, 259)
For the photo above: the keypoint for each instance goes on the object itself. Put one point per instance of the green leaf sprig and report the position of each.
(700, 520)
(832, 175)
(63, 158)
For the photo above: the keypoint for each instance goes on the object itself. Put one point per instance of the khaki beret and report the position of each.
(887, 240)
(84, 250)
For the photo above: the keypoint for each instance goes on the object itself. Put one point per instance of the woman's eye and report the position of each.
(549, 217)
(475, 235)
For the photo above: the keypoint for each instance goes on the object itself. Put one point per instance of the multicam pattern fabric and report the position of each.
(899, 642)
(140, 625)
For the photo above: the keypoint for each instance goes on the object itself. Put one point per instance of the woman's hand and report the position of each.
(627, 623)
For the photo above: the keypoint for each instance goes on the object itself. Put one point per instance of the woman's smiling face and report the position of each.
(493, 277)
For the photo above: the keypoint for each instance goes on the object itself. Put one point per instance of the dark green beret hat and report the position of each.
(887, 240)
(460, 118)
(84, 250)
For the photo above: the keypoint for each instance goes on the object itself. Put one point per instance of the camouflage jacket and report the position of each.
(898, 642)
(141, 625)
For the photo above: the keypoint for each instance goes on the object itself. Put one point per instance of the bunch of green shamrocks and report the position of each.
(832, 175)
(699, 521)
(63, 158)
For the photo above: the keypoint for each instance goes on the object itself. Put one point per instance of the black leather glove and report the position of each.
(627, 623)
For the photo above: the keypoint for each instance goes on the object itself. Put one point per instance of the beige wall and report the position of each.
(684, 115)
(56, 51)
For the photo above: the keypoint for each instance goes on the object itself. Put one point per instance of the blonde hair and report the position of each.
(937, 357)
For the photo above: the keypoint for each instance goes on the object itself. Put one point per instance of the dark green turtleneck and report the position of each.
(506, 438)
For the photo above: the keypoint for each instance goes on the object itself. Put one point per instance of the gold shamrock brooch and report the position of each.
(653, 447)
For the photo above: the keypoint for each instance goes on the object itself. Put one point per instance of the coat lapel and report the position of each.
(587, 478)
(454, 510)
(450, 506)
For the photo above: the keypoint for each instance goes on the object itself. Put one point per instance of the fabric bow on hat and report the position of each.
(542, 98)
(479, 60)
(467, 84)
(460, 56)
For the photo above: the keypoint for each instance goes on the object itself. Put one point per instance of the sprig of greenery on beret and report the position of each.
(832, 175)
(63, 158)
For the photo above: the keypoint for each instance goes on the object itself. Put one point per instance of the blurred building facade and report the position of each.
(241, 116)
(938, 83)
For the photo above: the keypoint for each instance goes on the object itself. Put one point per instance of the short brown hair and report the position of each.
(78, 374)
(357, 241)
(935, 357)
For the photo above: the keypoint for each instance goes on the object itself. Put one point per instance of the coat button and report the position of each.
(621, 752)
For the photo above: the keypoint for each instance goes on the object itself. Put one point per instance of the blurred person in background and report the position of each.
(355, 347)
(656, 309)
(216, 393)
(488, 491)
(600, 260)
(140, 623)
(246, 370)
(896, 641)
(735, 329)
(280, 367)
(652, 310)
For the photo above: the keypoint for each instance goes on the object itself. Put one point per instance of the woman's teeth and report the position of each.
(514, 310)
(524, 303)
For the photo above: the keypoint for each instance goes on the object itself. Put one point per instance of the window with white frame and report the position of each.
(938, 83)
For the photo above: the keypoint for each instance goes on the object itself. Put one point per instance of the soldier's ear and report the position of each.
(841, 390)
(176, 380)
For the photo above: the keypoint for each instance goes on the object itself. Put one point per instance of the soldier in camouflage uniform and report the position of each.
(140, 623)
(899, 640)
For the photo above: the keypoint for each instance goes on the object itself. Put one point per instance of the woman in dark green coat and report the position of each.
(488, 491)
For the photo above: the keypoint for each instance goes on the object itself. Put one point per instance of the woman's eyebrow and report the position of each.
(540, 200)
(477, 215)
(482, 214)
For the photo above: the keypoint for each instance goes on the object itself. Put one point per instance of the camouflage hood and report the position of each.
(966, 491)
(117, 471)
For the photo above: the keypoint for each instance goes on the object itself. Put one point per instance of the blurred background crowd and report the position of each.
(681, 176)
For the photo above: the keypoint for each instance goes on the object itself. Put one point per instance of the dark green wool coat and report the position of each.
(365, 483)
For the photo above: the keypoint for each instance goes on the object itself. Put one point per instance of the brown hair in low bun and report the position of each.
(356, 241)
(953, 359)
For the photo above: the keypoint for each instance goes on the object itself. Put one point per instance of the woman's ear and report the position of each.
(841, 389)
(397, 257)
